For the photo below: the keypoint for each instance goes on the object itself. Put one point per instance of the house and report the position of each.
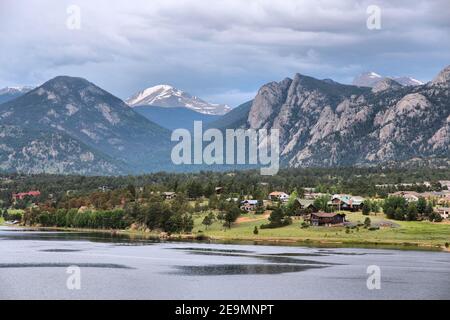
(326, 219)
(410, 196)
(219, 190)
(444, 200)
(22, 195)
(313, 195)
(104, 188)
(302, 206)
(249, 205)
(278, 196)
(445, 183)
(443, 212)
(346, 202)
(169, 195)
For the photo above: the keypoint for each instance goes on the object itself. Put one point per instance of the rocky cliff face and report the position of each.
(326, 124)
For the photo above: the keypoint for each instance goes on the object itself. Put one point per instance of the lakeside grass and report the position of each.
(409, 233)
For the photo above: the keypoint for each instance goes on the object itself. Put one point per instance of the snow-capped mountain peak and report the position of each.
(10, 93)
(170, 97)
(370, 79)
(367, 79)
(408, 81)
(16, 90)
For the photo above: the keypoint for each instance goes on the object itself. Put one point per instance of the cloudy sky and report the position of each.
(221, 50)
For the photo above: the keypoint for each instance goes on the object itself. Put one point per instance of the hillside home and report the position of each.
(346, 202)
(302, 206)
(169, 195)
(249, 205)
(22, 195)
(445, 183)
(219, 190)
(443, 212)
(326, 219)
(313, 195)
(278, 196)
(410, 196)
(444, 200)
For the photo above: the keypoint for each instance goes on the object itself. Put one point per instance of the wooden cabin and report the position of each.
(304, 206)
(326, 219)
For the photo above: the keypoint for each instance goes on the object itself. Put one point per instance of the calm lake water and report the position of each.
(33, 265)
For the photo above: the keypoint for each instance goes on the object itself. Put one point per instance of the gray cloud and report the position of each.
(222, 50)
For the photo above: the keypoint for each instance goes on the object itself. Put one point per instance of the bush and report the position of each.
(278, 218)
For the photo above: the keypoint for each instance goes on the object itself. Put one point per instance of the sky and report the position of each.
(220, 50)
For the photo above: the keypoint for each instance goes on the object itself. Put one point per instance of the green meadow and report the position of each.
(404, 233)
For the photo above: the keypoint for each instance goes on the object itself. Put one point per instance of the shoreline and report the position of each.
(281, 241)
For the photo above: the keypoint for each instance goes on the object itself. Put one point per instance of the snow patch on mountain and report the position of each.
(371, 79)
(170, 97)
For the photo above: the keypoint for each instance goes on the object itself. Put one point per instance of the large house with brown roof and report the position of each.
(326, 219)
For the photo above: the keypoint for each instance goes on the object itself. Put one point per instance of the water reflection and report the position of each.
(240, 269)
(63, 265)
(60, 250)
(266, 257)
(51, 235)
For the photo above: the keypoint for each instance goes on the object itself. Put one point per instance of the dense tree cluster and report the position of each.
(357, 181)
(399, 209)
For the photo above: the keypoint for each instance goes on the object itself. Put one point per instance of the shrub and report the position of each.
(304, 225)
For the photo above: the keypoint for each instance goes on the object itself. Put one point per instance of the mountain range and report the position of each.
(70, 125)
(330, 124)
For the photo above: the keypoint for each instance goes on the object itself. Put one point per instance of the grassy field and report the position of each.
(412, 233)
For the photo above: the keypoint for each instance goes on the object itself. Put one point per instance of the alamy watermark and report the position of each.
(73, 21)
(374, 280)
(238, 146)
(374, 19)
(74, 280)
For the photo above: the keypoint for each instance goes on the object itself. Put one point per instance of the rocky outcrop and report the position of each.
(323, 123)
(443, 78)
(386, 84)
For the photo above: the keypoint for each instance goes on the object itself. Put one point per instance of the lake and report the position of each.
(34, 265)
